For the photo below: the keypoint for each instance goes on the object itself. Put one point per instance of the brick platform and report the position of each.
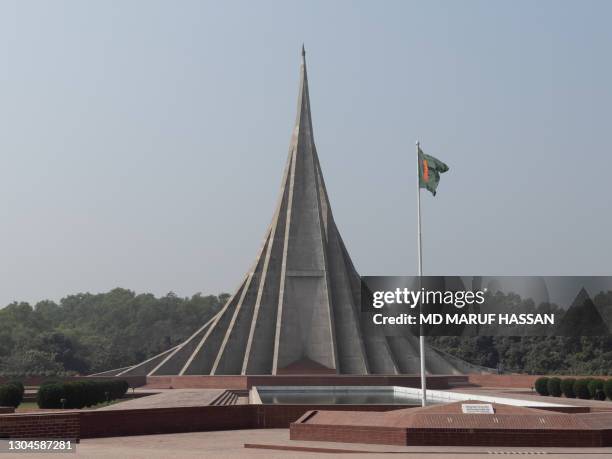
(447, 425)
(374, 424)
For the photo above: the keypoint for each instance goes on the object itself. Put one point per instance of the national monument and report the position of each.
(297, 310)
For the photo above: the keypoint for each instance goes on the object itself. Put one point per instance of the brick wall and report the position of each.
(246, 382)
(47, 425)
(114, 423)
(509, 381)
(433, 382)
(450, 437)
(280, 416)
(91, 424)
(197, 382)
(349, 434)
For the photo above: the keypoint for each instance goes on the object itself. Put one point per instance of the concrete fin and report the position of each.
(203, 357)
(380, 358)
(406, 355)
(171, 355)
(259, 354)
(349, 340)
(174, 362)
(145, 367)
(231, 354)
(112, 372)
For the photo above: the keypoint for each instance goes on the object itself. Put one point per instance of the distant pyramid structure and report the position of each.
(298, 308)
(582, 318)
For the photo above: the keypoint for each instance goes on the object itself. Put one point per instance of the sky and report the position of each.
(142, 142)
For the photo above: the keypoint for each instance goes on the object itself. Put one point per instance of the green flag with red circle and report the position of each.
(430, 169)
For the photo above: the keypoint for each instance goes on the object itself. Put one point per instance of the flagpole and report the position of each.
(420, 271)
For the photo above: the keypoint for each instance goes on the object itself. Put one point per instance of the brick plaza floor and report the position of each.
(230, 444)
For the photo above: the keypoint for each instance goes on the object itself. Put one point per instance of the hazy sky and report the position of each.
(142, 143)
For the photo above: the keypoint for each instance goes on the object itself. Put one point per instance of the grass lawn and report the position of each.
(27, 406)
(30, 406)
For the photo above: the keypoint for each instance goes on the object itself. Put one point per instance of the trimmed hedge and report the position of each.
(595, 387)
(11, 394)
(600, 395)
(608, 388)
(584, 388)
(581, 389)
(541, 385)
(567, 387)
(80, 394)
(19, 384)
(554, 387)
(50, 395)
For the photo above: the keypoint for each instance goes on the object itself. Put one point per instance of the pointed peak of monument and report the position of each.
(303, 121)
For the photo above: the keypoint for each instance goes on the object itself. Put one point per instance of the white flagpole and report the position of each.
(420, 271)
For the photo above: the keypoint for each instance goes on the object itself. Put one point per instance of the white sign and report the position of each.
(477, 408)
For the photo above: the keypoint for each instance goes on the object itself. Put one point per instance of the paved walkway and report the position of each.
(525, 394)
(169, 399)
(230, 444)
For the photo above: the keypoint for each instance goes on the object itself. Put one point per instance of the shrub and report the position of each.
(581, 389)
(541, 386)
(17, 396)
(567, 387)
(595, 385)
(76, 394)
(98, 390)
(554, 387)
(608, 388)
(10, 395)
(50, 395)
(80, 394)
(118, 389)
(93, 392)
(19, 384)
(600, 395)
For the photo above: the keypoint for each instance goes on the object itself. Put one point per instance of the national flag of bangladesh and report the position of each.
(430, 169)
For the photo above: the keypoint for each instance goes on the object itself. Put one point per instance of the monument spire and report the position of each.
(298, 308)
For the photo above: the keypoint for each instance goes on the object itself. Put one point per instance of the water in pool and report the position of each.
(301, 397)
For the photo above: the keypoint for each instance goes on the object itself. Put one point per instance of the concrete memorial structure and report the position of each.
(298, 308)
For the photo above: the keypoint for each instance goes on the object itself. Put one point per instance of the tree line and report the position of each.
(88, 333)
(569, 355)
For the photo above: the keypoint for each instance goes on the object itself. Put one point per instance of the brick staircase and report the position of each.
(229, 397)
